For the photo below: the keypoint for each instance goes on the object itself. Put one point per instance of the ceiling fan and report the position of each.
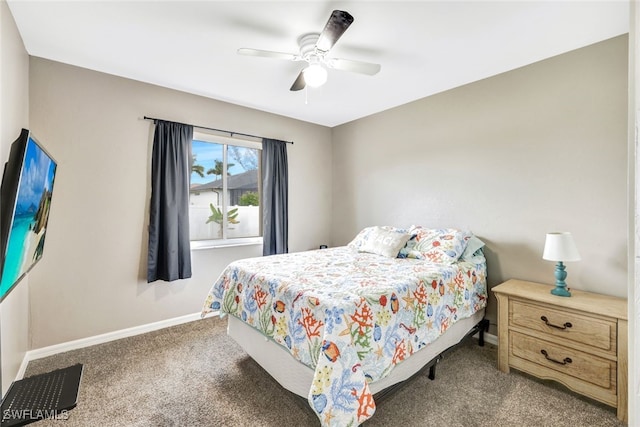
(314, 48)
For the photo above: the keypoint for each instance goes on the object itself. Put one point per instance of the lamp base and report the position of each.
(561, 291)
(561, 287)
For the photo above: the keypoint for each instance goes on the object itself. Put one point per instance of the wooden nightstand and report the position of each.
(579, 341)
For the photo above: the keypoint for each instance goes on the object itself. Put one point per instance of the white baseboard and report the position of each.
(490, 338)
(103, 338)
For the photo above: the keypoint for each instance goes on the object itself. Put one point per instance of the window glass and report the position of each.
(224, 197)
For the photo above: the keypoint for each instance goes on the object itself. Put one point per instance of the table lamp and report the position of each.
(559, 246)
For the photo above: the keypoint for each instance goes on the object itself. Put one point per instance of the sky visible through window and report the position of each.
(206, 153)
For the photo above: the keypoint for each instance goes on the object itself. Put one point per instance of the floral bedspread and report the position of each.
(350, 316)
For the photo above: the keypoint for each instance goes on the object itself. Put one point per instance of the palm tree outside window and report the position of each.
(225, 190)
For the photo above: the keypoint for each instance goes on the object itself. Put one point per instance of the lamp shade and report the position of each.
(559, 246)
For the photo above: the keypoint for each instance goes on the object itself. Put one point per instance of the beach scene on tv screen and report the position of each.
(33, 201)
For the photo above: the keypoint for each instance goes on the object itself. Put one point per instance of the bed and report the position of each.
(339, 325)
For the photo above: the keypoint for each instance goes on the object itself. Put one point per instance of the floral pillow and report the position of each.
(443, 246)
(409, 250)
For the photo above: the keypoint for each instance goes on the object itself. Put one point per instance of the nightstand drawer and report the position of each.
(591, 331)
(586, 367)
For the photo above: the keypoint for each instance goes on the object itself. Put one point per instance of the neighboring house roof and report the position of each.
(243, 181)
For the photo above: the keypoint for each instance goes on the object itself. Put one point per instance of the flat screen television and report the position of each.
(25, 200)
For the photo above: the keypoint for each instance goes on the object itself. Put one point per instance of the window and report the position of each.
(225, 192)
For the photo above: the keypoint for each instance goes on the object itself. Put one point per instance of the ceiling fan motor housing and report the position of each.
(307, 43)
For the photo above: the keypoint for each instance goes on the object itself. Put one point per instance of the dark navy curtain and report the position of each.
(275, 197)
(169, 251)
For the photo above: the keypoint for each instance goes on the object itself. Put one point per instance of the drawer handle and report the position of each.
(559, 362)
(546, 321)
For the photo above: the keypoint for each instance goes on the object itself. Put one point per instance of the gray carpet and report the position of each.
(194, 375)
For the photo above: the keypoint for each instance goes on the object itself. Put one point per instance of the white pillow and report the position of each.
(384, 242)
(365, 233)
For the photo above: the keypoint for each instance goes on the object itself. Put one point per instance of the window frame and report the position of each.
(225, 141)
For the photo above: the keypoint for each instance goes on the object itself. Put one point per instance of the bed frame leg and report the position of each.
(432, 368)
(483, 327)
(432, 372)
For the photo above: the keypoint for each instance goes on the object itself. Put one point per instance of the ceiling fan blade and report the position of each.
(299, 84)
(337, 24)
(367, 68)
(268, 54)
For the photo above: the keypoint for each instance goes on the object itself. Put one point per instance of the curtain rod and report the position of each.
(213, 129)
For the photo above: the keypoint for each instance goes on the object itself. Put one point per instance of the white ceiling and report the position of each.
(424, 47)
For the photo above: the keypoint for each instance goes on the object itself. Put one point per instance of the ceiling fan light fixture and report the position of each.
(315, 75)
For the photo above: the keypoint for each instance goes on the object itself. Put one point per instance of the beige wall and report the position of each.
(534, 150)
(91, 279)
(14, 115)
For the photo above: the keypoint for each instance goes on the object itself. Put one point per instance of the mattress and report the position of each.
(298, 377)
